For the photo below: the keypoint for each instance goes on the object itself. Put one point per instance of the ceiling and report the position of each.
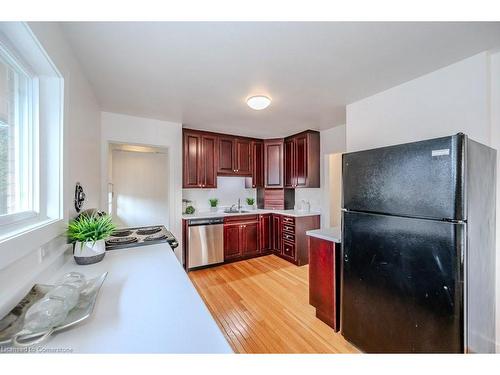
(200, 73)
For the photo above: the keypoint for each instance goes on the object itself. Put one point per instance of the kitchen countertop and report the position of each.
(206, 215)
(329, 234)
(147, 304)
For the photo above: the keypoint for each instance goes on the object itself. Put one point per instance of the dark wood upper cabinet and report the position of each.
(235, 156)
(200, 160)
(289, 163)
(208, 161)
(257, 164)
(226, 155)
(192, 166)
(243, 157)
(273, 163)
(302, 160)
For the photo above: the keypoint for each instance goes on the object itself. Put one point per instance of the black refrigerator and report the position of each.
(418, 247)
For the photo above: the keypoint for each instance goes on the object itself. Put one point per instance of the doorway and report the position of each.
(138, 185)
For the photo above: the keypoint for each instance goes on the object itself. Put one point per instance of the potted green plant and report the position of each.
(251, 203)
(88, 233)
(213, 204)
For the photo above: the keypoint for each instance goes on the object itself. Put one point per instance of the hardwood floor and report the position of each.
(262, 306)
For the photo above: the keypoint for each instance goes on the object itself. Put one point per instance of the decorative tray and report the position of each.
(13, 322)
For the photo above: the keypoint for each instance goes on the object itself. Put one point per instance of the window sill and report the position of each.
(19, 242)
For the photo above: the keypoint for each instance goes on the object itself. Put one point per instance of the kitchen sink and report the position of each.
(236, 211)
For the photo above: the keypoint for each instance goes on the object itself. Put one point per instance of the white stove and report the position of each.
(140, 236)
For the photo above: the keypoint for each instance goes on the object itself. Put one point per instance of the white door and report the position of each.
(140, 188)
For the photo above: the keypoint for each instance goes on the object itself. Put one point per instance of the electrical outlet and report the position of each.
(42, 252)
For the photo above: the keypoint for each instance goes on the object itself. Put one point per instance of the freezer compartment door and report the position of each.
(402, 284)
(420, 179)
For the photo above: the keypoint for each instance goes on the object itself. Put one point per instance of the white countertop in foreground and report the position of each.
(147, 304)
(206, 215)
(329, 234)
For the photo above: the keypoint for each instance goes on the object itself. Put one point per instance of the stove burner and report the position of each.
(121, 241)
(122, 233)
(156, 237)
(144, 231)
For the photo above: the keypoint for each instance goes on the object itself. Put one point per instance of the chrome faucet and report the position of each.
(234, 205)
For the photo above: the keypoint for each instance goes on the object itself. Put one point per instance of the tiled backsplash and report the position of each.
(229, 189)
(311, 195)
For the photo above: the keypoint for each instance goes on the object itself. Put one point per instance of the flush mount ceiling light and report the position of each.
(258, 102)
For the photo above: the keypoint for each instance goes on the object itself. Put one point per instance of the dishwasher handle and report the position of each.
(211, 221)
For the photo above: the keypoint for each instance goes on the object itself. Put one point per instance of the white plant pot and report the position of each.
(90, 252)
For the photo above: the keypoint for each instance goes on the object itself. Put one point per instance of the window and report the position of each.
(16, 140)
(31, 144)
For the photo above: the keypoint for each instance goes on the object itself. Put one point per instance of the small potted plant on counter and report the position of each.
(88, 233)
(213, 204)
(251, 203)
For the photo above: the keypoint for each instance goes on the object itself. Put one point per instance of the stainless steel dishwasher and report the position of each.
(205, 242)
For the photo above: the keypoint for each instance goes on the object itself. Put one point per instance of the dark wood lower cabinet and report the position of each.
(248, 236)
(232, 248)
(249, 239)
(291, 234)
(241, 237)
(266, 231)
(324, 280)
(276, 235)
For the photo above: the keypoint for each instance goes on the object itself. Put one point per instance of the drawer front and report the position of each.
(290, 229)
(288, 249)
(274, 204)
(288, 220)
(241, 219)
(289, 237)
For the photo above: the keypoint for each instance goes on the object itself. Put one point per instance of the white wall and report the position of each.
(82, 118)
(332, 141)
(450, 100)
(81, 160)
(140, 188)
(463, 97)
(118, 128)
(495, 142)
(229, 189)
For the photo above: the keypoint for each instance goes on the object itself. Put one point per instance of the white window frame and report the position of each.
(31, 128)
(31, 232)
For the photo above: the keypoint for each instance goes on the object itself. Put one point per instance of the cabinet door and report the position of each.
(257, 164)
(273, 163)
(323, 287)
(265, 232)
(288, 249)
(226, 155)
(277, 233)
(300, 160)
(231, 241)
(191, 160)
(243, 163)
(209, 161)
(249, 238)
(289, 163)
